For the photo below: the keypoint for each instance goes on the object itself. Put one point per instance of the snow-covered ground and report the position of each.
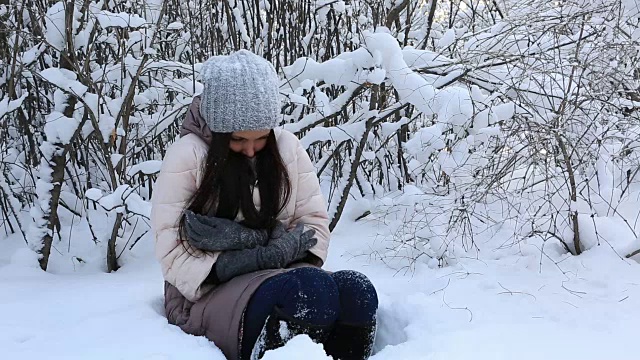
(507, 306)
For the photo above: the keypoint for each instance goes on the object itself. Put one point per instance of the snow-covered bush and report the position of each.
(557, 84)
(479, 114)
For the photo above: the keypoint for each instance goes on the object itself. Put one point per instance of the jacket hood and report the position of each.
(194, 123)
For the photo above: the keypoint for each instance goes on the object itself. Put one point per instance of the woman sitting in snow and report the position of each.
(241, 227)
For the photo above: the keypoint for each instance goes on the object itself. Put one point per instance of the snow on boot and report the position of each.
(280, 328)
(350, 341)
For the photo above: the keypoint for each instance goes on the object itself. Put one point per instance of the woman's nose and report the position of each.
(249, 150)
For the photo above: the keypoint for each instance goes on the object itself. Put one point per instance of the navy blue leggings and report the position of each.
(313, 296)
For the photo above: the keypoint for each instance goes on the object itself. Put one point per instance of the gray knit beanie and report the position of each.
(240, 93)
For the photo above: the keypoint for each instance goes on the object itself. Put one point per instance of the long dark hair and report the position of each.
(228, 178)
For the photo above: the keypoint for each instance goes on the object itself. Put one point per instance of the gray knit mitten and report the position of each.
(217, 234)
(283, 248)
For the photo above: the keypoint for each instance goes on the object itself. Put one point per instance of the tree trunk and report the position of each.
(59, 158)
(112, 256)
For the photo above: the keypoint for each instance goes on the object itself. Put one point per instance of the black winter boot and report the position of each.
(350, 341)
(280, 328)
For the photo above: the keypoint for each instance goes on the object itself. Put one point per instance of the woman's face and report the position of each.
(249, 143)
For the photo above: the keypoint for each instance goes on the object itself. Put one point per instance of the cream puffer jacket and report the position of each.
(180, 176)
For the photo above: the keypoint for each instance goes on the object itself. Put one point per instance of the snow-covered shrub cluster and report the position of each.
(548, 147)
(444, 119)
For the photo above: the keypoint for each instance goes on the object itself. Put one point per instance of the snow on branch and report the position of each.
(108, 19)
(7, 105)
(123, 200)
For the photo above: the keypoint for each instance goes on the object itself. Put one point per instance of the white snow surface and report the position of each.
(510, 303)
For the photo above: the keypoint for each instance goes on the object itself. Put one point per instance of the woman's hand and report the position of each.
(283, 248)
(217, 234)
(287, 247)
